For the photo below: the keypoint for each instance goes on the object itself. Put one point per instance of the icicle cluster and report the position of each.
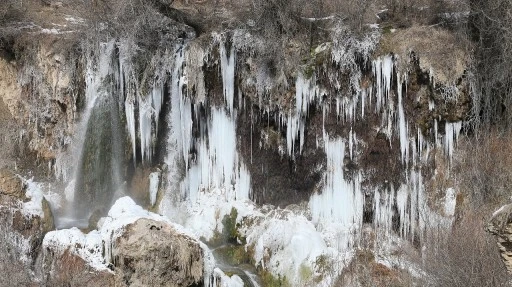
(306, 92)
(148, 106)
(215, 162)
(342, 201)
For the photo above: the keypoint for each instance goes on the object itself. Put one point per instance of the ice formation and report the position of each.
(305, 92)
(148, 106)
(228, 75)
(452, 131)
(217, 163)
(35, 193)
(154, 182)
(340, 200)
(216, 178)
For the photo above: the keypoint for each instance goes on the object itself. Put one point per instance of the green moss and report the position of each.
(231, 228)
(270, 281)
(305, 273)
(387, 29)
(237, 255)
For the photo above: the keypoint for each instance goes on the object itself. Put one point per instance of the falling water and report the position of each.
(99, 157)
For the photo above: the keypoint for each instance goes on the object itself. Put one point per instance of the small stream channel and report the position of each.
(246, 272)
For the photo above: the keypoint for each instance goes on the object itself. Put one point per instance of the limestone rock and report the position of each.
(152, 253)
(69, 269)
(500, 225)
(11, 185)
(23, 228)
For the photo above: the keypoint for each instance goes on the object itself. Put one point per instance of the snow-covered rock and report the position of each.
(25, 217)
(138, 247)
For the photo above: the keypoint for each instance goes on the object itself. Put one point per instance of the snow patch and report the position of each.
(35, 193)
(450, 201)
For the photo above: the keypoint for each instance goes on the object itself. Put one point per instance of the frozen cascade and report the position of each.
(228, 75)
(148, 106)
(217, 162)
(154, 182)
(180, 122)
(145, 119)
(149, 113)
(130, 122)
(341, 200)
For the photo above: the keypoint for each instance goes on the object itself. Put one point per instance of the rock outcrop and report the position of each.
(69, 269)
(500, 226)
(25, 217)
(152, 253)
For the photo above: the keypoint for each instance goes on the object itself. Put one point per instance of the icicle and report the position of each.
(452, 131)
(130, 122)
(145, 113)
(154, 182)
(228, 75)
(305, 93)
(363, 100)
(383, 72)
(351, 138)
(217, 164)
(402, 125)
(157, 97)
(431, 105)
(401, 203)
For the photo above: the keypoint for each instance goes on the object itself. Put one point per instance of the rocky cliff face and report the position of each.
(25, 219)
(500, 226)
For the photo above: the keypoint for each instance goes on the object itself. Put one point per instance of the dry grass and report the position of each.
(436, 48)
(466, 256)
(483, 168)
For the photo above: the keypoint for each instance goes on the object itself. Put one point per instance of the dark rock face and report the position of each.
(276, 178)
(152, 253)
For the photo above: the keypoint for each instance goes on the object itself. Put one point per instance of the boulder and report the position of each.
(153, 253)
(500, 225)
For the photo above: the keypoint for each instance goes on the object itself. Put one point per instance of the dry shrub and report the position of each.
(438, 49)
(364, 271)
(483, 168)
(466, 256)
